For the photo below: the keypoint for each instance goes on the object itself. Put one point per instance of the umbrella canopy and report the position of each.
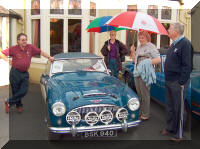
(98, 25)
(137, 21)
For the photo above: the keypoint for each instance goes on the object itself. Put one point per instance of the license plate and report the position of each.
(101, 133)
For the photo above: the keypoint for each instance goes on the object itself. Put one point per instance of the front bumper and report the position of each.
(74, 130)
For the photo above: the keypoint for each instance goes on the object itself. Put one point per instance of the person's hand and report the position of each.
(133, 48)
(51, 59)
(132, 55)
(108, 47)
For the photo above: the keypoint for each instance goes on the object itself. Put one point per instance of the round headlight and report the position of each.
(73, 117)
(122, 114)
(58, 109)
(133, 104)
(106, 116)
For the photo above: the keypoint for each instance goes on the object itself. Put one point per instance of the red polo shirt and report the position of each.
(21, 59)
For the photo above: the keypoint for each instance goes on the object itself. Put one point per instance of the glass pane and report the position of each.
(35, 7)
(74, 7)
(166, 13)
(56, 36)
(92, 9)
(153, 10)
(35, 32)
(154, 38)
(56, 7)
(77, 65)
(165, 40)
(74, 35)
(131, 37)
(132, 8)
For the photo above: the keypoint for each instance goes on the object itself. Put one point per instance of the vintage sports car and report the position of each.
(158, 90)
(82, 97)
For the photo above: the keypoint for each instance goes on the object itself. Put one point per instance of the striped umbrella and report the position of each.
(98, 25)
(137, 21)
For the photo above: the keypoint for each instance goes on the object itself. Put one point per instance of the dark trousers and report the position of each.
(175, 107)
(113, 67)
(19, 82)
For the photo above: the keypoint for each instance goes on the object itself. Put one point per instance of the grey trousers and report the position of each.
(143, 93)
(175, 107)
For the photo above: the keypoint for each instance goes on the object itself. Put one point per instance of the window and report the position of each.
(93, 9)
(35, 7)
(56, 7)
(165, 40)
(74, 35)
(132, 8)
(153, 10)
(131, 35)
(166, 13)
(56, 36)
(196, 61)
(154, 38)
(74, 7)
(35, 32)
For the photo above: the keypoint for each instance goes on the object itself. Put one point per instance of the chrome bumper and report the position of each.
(94, 128)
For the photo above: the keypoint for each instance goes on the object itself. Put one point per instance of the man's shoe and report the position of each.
(20, 109)
(7, 107)
(176, 140)
(165, 132)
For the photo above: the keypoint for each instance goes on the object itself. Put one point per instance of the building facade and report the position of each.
(60, 25)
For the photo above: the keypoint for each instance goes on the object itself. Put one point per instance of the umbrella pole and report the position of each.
(108, 36)
(134, 37)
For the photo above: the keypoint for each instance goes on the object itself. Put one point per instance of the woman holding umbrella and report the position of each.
(146, 54)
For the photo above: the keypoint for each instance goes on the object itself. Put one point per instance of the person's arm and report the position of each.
(156, 61)
(185, 63)
(47, 56)
(105, 50)
(4, 57)
(132, 55)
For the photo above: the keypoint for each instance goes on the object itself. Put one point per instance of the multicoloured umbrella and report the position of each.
(98, 25)
(137, 21)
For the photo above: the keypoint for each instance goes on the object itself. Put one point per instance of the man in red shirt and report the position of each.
(19, 77)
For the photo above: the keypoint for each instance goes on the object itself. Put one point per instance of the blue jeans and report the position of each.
(113, 67)
(19, 82)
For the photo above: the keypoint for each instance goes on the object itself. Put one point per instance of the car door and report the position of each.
(158, 89)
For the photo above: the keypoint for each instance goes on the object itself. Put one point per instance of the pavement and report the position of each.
(4, 118)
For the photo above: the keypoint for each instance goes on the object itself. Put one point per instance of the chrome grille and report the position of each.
(95, 108)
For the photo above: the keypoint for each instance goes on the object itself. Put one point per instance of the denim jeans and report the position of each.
(113, 67)
(19, 82)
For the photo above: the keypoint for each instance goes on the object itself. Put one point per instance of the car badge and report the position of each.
(96, 101)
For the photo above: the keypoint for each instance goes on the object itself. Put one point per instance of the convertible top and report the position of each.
(74, 55)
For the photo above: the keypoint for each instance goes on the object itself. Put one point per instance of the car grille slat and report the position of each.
(95, 108)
